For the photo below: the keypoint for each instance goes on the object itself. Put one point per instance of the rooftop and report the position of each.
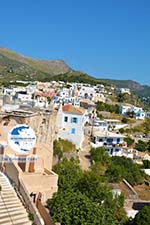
(108, 134)
(72, 109)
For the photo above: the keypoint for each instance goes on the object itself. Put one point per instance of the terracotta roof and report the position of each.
(72, 109)
(46, 94)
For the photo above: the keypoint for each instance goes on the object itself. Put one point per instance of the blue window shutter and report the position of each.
(118, 140)
(76, 120)
(73, 130)
(71, 120)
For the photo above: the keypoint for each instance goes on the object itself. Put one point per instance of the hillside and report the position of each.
(138, 89)
(14, 66)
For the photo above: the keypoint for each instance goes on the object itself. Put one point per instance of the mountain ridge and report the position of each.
(51, 67)
(14, 66)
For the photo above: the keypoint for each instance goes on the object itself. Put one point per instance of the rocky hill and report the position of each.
(140, 90)
(14, 66)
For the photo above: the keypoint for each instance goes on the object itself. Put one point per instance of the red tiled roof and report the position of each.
(72, 109)
(46, 94)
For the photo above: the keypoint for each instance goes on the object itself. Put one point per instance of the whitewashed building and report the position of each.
(112, 142)
(70, 124)
(138, 111)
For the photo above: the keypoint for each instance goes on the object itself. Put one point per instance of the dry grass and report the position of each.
(143, 191)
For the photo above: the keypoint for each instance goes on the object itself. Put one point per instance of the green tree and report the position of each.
(49, 100)
(129, 141)
(94, 187)
(69, 174)
(122, 167)
(131, 114)
(121, 130)
(125, 120)
(142, 217)
(147, 126)
(84, 197)
(75, 208)
(57, 151)
(100, 155)
(141, 146)
(146, 164)
(115, 173)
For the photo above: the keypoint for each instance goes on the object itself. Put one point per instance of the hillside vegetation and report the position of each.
(17, 67)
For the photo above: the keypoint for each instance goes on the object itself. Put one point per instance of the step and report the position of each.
(8, 223)
(5, 220)
(19, 220)
(18, 209)
(12, 213)
(25, 223)
(9, 194)
(8, 204)
(13, 206)
(14, 220)
(9, 201)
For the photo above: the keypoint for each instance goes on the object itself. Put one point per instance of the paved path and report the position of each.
(84, 158)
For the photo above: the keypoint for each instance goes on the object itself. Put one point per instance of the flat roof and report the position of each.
(108, 134)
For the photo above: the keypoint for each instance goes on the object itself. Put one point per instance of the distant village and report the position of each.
(67, 111)
(75, 104)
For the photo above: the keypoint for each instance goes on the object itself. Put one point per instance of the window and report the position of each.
(74, 120)
(65, 119)
(73, 131)
(100, 140)
(118, 140)
(109, 140)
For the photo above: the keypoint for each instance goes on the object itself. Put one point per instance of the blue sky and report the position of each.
(104, 38)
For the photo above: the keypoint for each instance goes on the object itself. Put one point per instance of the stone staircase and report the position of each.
(12, 212)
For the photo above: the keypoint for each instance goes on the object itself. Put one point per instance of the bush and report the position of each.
(129, 141)
(101, 106)
(124, 168)
(146, 164)
(61, 146)
(30, 216)
(141, 146)
(125, 120)
(142, 217)
(121, 130)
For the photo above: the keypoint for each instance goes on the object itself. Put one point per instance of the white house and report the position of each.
(8, 91)
(101, 125)
(70, 124)
(124, 109)
(112, 142)
(87, 92)
(23, 96)
(123, 91)
(108, 124)
(114, 124)
(139, 112)
(140, 115)
(64, 93)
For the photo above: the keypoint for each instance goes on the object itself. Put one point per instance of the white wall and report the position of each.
(65, 128)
